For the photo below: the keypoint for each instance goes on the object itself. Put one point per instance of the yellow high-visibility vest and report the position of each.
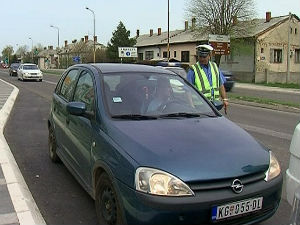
(202, 83)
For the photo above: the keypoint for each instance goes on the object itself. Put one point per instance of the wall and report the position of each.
(268, 71)
(241, 59)
(155, 49)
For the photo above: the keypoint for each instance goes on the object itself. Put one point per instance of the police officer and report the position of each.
(206, 76)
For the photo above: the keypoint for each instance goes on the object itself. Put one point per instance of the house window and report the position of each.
(297, 55)
(276, 55)
(185, 56)
(165, 54)
(174, 54)
(296, 30)
(141, 56)
(291, 30)
(262, 50)
(149, 55)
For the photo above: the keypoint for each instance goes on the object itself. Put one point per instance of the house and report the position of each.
(257, 55)
(79, 51)
(48, 58)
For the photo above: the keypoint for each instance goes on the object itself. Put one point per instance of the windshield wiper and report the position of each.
(186, 115)
(134, 117)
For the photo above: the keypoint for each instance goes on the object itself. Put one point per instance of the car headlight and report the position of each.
(157, 182)
(274, 168)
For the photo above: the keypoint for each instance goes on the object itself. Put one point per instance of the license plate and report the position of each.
(236, 208)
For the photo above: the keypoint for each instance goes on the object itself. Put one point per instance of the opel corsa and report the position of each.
(150, 149)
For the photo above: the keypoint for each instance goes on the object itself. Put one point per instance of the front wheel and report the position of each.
(106, 202)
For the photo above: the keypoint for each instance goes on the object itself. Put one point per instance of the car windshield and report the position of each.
(181, 72)
(152, 94)
(14, 66)
(30, 67)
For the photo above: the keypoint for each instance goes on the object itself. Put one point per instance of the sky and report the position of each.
(22, 20)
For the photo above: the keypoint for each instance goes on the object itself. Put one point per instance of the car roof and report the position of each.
(117, 68)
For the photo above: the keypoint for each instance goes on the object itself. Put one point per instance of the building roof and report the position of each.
(47, 52)
(254, 27)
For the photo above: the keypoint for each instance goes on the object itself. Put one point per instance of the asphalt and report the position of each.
(17, 205)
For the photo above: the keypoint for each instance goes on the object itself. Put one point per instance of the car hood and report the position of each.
(192, 149)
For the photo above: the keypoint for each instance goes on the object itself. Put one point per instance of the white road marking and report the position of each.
(8, 218)
(49, 82)
(265, 131)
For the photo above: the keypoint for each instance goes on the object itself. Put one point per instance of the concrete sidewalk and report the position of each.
(17, 205)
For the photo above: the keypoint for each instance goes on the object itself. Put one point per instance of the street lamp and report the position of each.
(94, 33)
(168, 30)
(31, 48)
(55, 27)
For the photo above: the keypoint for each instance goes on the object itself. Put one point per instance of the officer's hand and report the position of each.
(225, 102)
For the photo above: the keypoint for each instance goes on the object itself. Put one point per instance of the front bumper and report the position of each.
(33, 77)
(140, 208)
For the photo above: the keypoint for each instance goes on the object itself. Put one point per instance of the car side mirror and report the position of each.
(76, 108)
(218, 104)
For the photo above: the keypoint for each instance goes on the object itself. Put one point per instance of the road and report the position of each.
(274, 95)
(60, 198)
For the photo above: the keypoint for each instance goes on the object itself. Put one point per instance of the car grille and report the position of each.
(33, 74)
(224, 183)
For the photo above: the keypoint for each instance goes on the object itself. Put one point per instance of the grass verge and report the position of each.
(262, 100)
(293, 86)
(55, 72)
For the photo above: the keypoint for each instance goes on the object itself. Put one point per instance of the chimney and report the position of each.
(193, 23)
(66, 43)
(74, 41)
(95, 38)
(186, 25)
(137, 33)
(159, 31)
(268, 16)
(45, 48)
(234, 20)
(151, 32)
(82, 39)
(51, 47)
(86, 38)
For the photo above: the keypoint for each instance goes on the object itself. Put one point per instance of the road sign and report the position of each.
(220, 43)
(76, 59)
(126, 52)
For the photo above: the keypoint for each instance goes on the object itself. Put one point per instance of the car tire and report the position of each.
(107, 203)
(52, 145)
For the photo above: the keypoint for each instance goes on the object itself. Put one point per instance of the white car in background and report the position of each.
(29, 71)
(293, 172)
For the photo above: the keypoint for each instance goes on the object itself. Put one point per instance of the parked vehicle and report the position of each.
(13, 69)
(151, 150)
(293, 172)
(28, 71)
(229, 84)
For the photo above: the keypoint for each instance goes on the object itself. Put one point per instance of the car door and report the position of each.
(61, 98)
(80, 128)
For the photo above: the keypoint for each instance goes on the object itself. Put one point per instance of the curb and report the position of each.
(267, 106)
(23, 202)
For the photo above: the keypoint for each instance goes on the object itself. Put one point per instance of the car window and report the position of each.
(84, 91)
(151, 94)
(68, 84)
(30, 67)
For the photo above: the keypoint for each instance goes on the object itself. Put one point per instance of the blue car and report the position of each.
(150, 149)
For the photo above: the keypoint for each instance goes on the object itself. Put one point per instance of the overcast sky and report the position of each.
(32, 18)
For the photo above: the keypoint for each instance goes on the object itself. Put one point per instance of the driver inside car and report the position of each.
(161, 96)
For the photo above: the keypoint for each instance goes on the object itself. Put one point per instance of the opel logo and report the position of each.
(237, 186)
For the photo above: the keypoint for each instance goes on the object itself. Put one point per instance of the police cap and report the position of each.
(204, 50)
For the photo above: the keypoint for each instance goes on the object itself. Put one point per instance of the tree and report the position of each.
(120, 38)
(221, 16)
(21, 51)
(7, 53)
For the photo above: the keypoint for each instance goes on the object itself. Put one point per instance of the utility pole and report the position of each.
(288, 77)
(31, 49)
(57, 28)
(168, 31)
